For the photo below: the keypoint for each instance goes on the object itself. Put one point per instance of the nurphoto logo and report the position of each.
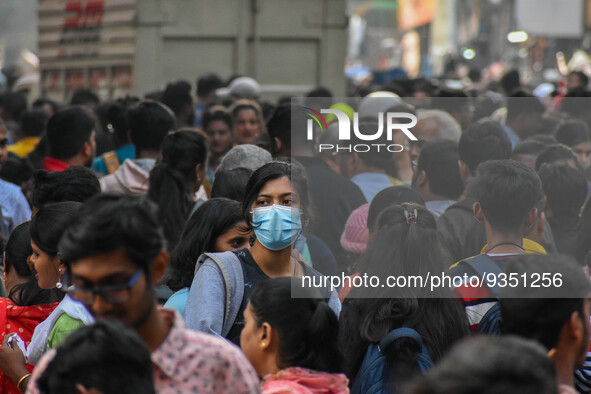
(393, 122)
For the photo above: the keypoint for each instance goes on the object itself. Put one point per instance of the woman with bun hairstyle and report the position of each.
(276, 208)
(175, 179)
(403, 243)
(46, 229)
(27, 305)
(295, 352)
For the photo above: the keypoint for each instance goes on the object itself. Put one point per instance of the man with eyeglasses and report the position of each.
(115, 252)
(13, 204)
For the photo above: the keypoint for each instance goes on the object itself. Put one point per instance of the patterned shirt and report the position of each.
(190, 362)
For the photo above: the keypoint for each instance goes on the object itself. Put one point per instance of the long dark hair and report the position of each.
(171, 178)
(17, 251)
(211, 220)
(307, 327)
(400, 247)
(276, 170)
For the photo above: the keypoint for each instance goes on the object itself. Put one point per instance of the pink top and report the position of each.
(298, 380)
(190, 362)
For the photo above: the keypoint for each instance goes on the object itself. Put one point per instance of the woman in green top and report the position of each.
(46, 229)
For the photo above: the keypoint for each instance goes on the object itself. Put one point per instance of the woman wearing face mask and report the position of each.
(275, 207)
(216, 226)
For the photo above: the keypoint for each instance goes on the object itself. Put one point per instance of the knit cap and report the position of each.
(356, 234)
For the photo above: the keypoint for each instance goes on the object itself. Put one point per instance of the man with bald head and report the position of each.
(433, 125)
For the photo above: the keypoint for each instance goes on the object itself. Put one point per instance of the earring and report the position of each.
(263, 345)
(59, 284)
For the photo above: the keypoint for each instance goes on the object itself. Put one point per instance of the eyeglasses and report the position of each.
(115, 294)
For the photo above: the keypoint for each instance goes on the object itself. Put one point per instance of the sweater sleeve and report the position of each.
(205, 307)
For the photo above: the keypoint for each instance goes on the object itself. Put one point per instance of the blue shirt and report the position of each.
(178, 300)
(512, 136)
(438, 207)
(125, 152)
(14, 205)
(371, 183)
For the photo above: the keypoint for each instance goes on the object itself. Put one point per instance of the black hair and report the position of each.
(156, 95)
(114, 121)
(288, 125)
(507, 191)
(18, 171)
(50, 222)
(485, 106)
(582, 77)
(15, 105)
(106, 356)
(149, 123)
(565, 189)
(481, 142)
(17, 252)
(528, 147)
(308, 334)
(573, 133)
(269, 172)
(545, 139)
(523, 103)
(279, 126)
(439, 160)
(231, 183)
(207, 84)
(319, 91)
(491, 364)
(320, 97)
(177, 95)
(172, 177)
(412, 249)
(42, 101)
(540, 313)
(74, 184)
(109, 222)
(510, 81)
(68, 131)
(212, 219)
(390, 196)
(556, 153)
(450, 100)
(84, 96)
(34, 122)
(215, 113)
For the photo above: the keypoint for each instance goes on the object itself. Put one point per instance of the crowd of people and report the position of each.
(159, 244)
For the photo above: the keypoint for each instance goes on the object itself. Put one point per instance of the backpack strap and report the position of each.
(483, 265)
(424, 359)
(225, 276)
(111, 161)
(402, 332)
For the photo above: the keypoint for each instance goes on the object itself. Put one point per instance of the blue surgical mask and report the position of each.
(276, 226)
